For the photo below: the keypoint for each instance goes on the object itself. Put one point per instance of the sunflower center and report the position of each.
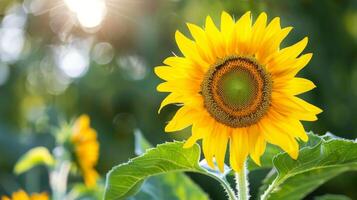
(237, 91)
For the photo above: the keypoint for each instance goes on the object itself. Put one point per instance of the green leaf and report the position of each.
(332, 197)
(167, 186)
(34, 157)
(173, 186)
(325, 158)
(126, 179)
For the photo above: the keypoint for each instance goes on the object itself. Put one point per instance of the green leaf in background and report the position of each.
(326, 158)
(332, 197)
(34, 157)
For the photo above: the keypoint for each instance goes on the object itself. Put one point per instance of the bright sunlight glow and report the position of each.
(90, 13)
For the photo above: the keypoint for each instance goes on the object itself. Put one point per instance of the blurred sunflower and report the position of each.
(22, 195)
(86, 148)
(236, 85)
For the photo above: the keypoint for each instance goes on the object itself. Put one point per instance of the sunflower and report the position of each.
(238, 87)
(22, 195)
(86, 148)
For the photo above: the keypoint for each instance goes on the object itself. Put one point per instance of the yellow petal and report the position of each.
(183, 118)
(294, 86)
(179, 62)
(172, 73)
(291, 51)
(170, 99)
(273, 44)
(288, 106)
(221, 141)
(181, 86)
(270, 32)
(214, 37)
(208, 144)
(277, 136)
(238, 148)
(292, 126)
(200, 128)
(200, 37)
(258, 31)
(188, 49)
(186, 45)
(256, 143)
(243, 33)
(300, 63)
(307, 106)
(227, 28)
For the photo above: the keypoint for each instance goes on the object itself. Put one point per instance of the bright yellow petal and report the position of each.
(180, 86)
(170, 99)
(208, 143)
(171, 73)
(300, 63)
(183, 118)
(294, 86)
(272, 30)
(243, 33)
(188, 49)
(290, 107)
(221, 139)
(200, 128)
(258, 31)
(238, 148)
(256, 143)
(292, 126)
(227, 30)
(276, 135)
(215, 38)
(202, 42)
(307, 106)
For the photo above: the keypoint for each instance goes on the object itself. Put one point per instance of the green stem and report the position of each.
(242, 184)
(58, 180)
(59, 174)
(268, 191)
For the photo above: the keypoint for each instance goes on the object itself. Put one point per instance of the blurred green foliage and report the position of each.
(118, 88)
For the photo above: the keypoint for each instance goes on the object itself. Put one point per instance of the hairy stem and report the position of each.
(268, 191)
(242, 184)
